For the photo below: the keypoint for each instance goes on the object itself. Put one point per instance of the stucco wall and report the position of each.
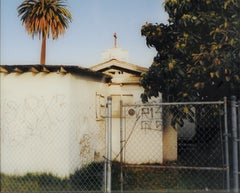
(140, 145)
(54, 122)
(49, 123)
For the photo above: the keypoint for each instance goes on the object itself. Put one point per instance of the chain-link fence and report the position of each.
(65, 147)
(173, 146)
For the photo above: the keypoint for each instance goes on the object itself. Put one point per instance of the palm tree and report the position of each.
(44, 18)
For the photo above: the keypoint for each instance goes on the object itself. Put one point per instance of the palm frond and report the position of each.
(44, 17)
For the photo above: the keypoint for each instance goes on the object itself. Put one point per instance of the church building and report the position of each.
(53, 117)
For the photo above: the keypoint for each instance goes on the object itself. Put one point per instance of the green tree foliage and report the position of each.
(198, 51)
(44, 18)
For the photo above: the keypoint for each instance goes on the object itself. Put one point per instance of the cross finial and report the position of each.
(115, 39)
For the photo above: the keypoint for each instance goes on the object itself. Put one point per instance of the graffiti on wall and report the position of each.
(32, 118)
(40, 124)
(149, 116)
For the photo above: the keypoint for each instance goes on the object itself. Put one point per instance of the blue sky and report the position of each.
(90, 33)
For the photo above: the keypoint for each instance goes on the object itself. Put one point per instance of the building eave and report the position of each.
(76, 70)
(120, 65)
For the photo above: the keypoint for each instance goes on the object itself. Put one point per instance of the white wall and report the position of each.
(53, 122)
(140, 145)
(48, 122)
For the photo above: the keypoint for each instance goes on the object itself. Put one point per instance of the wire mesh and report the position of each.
(176, 146)
(60, 147)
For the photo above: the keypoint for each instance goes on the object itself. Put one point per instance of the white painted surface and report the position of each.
(115, 53)
(48, 122)
(141, 145)
(52, 122)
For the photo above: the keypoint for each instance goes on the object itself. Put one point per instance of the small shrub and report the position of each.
(32, 182)
(89, 177)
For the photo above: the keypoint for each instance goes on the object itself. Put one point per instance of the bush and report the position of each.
(89, 177)
(32, 182)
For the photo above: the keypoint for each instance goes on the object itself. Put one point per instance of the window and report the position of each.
(100, 106)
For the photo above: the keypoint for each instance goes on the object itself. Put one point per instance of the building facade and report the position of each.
(53, 117)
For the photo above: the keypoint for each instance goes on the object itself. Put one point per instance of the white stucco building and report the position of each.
(49, 118)
(53, 117)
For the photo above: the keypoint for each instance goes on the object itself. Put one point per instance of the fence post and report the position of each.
(239, 130)
(108, 157)
(226, 136)
(238, 133)
(235, 143)
(121, 144)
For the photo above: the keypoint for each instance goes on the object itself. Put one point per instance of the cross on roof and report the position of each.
(115, 39)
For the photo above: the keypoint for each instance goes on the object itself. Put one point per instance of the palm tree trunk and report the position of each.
(43, 51)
